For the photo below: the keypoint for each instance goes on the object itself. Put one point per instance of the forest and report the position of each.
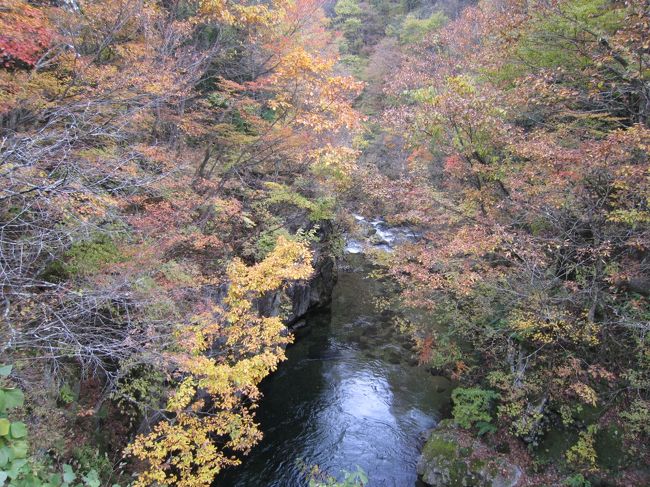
(181, 182)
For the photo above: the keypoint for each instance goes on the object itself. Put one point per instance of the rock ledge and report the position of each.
(451, 458)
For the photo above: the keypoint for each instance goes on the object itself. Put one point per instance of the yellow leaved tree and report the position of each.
(218, 361)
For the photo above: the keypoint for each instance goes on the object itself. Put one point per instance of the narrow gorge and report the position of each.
(324, 243)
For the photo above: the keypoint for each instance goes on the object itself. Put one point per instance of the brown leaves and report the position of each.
(528, 177)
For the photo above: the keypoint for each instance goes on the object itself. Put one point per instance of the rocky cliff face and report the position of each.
(305, 296)
(317, 292)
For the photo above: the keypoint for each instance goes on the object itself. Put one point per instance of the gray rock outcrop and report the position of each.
(449, 459)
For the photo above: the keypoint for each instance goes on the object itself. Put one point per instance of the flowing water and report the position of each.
(381, 236)
(348, 396)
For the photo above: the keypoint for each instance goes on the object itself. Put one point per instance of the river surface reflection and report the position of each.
(348, 396)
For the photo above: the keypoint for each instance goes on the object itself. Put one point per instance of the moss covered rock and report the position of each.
(451, 458)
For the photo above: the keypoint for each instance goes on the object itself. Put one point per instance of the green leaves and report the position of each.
(20, 449)
(18, 429)
(13, 449)
(5, 424)
(9, 397)
(11, 445)
(414, 29)
(472, 406)
(4, 457)
(13, 398)
(91, 479)
(68, 474)
(15, 464)
(319, 209)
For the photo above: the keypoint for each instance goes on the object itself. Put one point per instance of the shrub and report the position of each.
(88, 257)
(472, 406)
(577, 480)
(16, 468)
(414, 29)
(583, 453)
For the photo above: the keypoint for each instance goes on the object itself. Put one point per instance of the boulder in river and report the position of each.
(452, 458)
(377, 239)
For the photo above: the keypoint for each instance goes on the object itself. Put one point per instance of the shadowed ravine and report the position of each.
(346, 397)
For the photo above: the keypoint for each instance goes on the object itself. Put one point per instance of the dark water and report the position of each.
(345, 398)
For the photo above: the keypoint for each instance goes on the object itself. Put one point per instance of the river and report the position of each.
(348, 396)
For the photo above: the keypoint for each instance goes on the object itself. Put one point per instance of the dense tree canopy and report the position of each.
(527, 171)
(144, 146)
(167, 167)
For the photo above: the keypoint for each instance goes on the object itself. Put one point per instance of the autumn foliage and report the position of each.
(209, 407)
(25, 34)
(168, 167)
(527, 173)
(141, 144)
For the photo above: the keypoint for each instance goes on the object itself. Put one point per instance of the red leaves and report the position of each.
(24, 34)
(454, 166)
(425, 347)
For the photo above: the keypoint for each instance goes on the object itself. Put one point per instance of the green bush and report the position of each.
(583, 453)
(88, 257)
(66, 394)
(91, 459)
(414, 29)
(577, 480)
(266, 242)
(16, 468)
(319, 209)
(472, 407)
(141, 388)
